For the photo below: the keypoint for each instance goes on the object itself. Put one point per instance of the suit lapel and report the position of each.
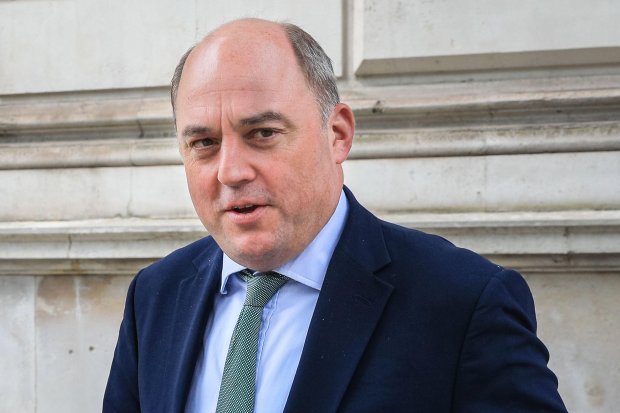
(193, 304)
(350, 305)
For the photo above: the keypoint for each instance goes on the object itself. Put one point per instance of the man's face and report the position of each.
(263, 172)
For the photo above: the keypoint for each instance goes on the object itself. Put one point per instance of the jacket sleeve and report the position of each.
(503, 364)
(121, 394)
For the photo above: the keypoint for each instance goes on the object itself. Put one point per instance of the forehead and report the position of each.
(241, 67)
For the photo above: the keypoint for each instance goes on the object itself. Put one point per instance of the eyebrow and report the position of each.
(265, 117)
(193, 130)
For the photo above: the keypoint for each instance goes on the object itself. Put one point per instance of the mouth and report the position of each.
(244, 209)
(245, 214)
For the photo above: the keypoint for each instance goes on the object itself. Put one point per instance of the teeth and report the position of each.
(239, 208)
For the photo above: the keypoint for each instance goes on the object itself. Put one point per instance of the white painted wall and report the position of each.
(66, 45)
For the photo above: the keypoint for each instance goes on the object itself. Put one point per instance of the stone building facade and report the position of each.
(495, 124)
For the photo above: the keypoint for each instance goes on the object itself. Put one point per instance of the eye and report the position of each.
(264, 133)
(202, 143)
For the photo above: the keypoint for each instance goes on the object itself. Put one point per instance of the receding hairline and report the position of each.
(178, 72)
(250, 21)
(324, 89)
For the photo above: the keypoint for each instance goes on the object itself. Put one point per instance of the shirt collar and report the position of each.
(310, 266)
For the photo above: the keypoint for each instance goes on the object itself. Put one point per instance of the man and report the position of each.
(366, 317)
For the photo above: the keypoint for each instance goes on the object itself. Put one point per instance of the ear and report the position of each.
(341, 129)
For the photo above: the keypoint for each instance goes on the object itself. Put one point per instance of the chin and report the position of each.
(257, 250)
(260, 260)
(248, 256)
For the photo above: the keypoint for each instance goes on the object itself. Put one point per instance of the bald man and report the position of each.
(361, 315)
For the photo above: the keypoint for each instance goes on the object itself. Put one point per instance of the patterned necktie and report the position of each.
(238, 387)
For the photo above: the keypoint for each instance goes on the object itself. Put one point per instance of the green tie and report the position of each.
(238, 386)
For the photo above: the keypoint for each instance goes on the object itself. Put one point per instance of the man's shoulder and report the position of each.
(437, 274)
(435, 258)
(428, 245)
(180, 263)
(430, 256)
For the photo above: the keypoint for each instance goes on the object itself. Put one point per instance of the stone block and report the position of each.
(77, 321)
(65, 45)
(579, 320)
(17, 348)
(59, 46)
(86, 193)
(585, 180)
(426, 36)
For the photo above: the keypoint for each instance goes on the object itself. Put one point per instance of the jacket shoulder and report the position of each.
(177, 265)
(434, 252)
(422, 262)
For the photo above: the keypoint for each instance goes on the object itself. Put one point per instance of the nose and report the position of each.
(235, 162)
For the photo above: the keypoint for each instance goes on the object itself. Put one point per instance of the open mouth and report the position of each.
(244, 209)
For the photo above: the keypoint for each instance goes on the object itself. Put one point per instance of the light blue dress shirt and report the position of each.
(286, 319)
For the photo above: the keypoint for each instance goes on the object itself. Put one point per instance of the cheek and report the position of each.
(199, 183)
(317, 167)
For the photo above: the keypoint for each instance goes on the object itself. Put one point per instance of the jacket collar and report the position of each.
(194, 301)
(348, 309)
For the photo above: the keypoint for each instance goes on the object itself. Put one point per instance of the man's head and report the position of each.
(262, 142)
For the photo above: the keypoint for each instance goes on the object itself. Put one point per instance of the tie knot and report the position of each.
(261, 286)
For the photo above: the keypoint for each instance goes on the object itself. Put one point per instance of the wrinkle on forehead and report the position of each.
(252, 99)
(245, 101)
(199, 91)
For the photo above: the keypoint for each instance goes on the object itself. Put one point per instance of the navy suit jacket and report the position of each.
(405, 322)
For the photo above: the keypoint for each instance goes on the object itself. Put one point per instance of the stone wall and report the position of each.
(493, 123)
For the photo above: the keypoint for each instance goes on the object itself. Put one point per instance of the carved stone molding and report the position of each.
(134, 127)
(490, 61)
(567, 241)
(412, 143)
(146, 113)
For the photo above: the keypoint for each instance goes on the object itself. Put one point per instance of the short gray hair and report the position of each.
(311, 58)
(176, 78)
(317, 68)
